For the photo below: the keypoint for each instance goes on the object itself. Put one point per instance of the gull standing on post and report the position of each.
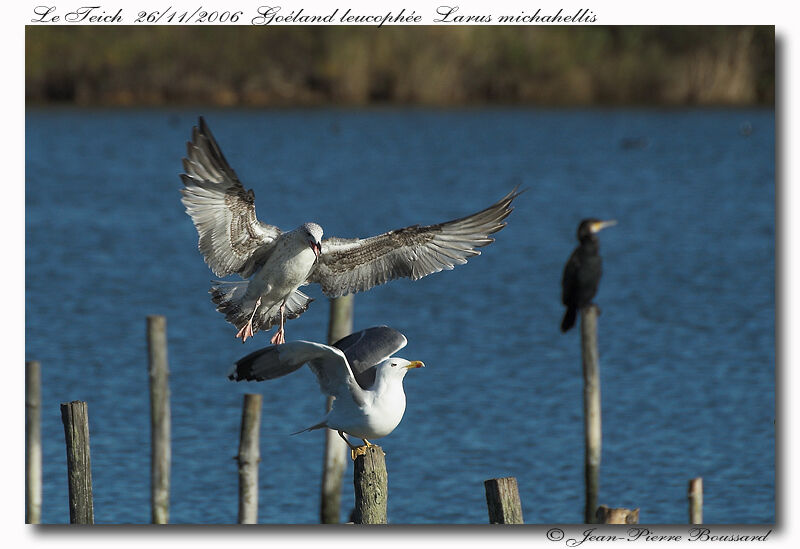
(358, 371)
(233, 241)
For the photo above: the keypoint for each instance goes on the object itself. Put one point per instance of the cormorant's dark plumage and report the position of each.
(583, 271)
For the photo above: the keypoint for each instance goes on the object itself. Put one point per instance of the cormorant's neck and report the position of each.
(590, 242)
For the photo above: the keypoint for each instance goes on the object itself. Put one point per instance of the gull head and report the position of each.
(398, 367)
(313, 235)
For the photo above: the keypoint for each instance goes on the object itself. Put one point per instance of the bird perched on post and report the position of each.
(358, 370)
(232, 240)
(583, 271)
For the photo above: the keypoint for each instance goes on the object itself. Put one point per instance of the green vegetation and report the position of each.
(424, 65)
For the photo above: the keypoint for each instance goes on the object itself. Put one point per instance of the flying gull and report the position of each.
(233, 241)
(358, 370)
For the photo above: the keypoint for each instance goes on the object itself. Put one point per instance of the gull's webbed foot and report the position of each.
(356, 451)
(245, 332)
(247, 329)
(278, 338)
(369, 445)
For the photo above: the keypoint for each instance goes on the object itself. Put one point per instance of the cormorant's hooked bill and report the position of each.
(583, 270)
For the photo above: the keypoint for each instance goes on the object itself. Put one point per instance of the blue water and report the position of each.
(687, 334)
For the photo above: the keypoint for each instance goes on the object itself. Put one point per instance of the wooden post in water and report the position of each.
(339, 326)
(249, 458)
(502, 499)
(160, 451)
(75, 416)
(696, 501)
(591, 409)
(371, 484)
(33, 443)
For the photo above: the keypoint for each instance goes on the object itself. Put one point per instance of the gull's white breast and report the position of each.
(378, 417)
(286, 269)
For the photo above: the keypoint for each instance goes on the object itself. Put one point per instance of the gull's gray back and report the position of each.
(367, 348)
(363, 351)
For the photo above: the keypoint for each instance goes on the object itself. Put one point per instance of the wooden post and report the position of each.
(591, 409)
(249, 457)
(75, 416)
(371, 487)
(696, 501)
(160, 450)
(340, 322)
(502, 498)
(33, 443)
(340, 325)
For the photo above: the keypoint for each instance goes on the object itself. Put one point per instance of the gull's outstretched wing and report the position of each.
(367, 348)
(232, 239)
(328, 363)
(353, 265)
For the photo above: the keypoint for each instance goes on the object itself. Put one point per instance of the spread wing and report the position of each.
(232, 239)
(354, 265)
(367, 348)
(328, 363)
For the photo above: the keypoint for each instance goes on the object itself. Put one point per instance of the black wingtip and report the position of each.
(519, 192)
(515, 192)
(235, 372)
(243, 369)
(203, 129)
(200, 129)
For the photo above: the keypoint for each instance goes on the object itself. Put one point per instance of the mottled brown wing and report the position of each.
(232, 239)
(354, 265)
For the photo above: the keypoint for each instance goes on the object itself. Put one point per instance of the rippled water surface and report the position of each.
(686, 332)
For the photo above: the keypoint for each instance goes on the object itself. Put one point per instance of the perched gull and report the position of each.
(233, 240)
(359, 371)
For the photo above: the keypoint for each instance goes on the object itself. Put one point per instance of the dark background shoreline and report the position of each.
(306, 66)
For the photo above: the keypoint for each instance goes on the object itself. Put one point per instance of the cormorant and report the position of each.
(583, 271)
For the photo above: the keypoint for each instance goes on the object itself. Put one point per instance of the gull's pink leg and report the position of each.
(279, 338)
(247, 329)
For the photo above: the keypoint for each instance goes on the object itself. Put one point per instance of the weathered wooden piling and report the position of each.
(371, 484)
(502, 499)
(33, 443)
(75, 416)
(340, 325)
(160, 450)
(340, 322)
(591, 409)
(249, 458)
(696, 501)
